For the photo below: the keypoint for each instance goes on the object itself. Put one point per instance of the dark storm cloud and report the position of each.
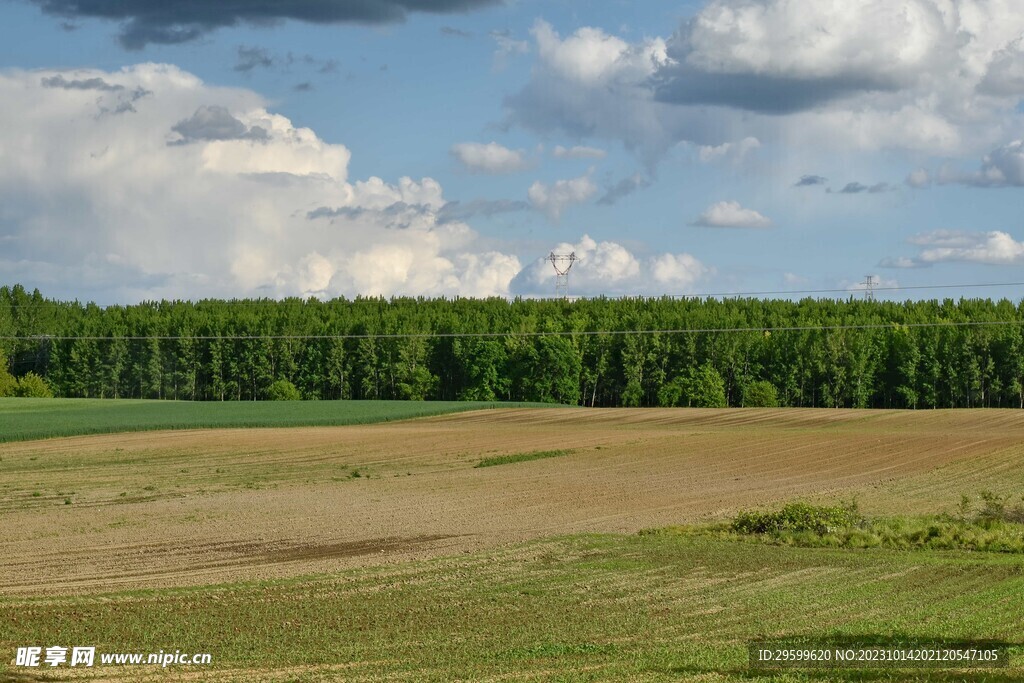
(251, 57)
(214, 123)
(623, 189)
(680, 84)
(809, 180)
(118, 101)
(854, 188)
(463, 211)
(457, 32)
(397, 216)
(125, 102)
(860, 188)
(681, 81)
(350, 212)
(178, 21)
(59, 81)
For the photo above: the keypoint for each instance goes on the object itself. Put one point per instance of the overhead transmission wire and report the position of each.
(856, 291)
(892, 325)
(781, 292)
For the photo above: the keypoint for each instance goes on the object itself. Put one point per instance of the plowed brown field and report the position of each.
(199, 507)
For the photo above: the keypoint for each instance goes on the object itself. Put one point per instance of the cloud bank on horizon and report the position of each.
(933, 76)
(694, 154)
(201, 191)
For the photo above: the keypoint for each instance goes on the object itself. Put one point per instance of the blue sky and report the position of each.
(678, 147)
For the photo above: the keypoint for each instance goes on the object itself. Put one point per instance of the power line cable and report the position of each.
(852, 292)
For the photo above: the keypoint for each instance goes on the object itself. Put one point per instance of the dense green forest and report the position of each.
(216, 350)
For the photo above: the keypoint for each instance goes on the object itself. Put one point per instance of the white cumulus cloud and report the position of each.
(877, 283)
(147, 182)
(865, 42)
(994, 247)
(729, 214)
(593, 84)
(554, 199)
(793, 279)
(1002, 167)
(489, 158)
(610, 268)
(728, 151)
(940, 77)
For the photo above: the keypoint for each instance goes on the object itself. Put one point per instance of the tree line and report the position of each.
(695, 352)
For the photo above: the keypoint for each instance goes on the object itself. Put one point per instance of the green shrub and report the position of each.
(707, 388)
(799, 517)
(996, 527)
(1016, 515)
(994, 508)
(283, 390)
(670, 394)
(8, 385)
(760, 395)
(33, 386)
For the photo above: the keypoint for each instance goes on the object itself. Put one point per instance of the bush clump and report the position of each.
(995, 508)
(283, 390)
(32, 385)
(8, 385)
(995, 525)
(761, 395)
(799, 517)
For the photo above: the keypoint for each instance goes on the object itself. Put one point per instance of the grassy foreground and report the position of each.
(995, 528)
(23, 419)
(583, 608)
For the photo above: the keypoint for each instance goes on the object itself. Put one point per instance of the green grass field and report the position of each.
(22, 419)
(580, 608)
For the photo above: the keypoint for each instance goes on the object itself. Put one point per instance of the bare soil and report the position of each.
(210, 506)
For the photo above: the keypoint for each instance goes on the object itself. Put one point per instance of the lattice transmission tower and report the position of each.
(869, 287)
(562, 264)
